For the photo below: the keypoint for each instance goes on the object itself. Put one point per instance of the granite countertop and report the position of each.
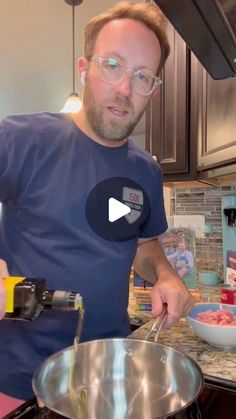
(218, 365)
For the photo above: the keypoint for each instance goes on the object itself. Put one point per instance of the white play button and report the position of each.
(116, 210)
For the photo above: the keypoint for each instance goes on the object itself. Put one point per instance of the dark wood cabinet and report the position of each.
(191, 121)
(167, 123)
(214, 108)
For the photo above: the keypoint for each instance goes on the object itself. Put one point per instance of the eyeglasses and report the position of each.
(112, 72)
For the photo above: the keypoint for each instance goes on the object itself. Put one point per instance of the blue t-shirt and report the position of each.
(48, 167)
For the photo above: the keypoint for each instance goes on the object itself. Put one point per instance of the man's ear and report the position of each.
(82, 64)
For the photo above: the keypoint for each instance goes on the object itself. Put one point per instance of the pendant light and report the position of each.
(73, 103)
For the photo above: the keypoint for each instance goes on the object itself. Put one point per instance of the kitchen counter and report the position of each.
(218, 365)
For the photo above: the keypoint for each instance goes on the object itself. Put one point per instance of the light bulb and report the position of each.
(73, 104)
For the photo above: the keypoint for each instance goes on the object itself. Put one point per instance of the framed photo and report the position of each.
(180, 249)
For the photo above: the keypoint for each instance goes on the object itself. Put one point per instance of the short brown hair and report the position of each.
(146, 13)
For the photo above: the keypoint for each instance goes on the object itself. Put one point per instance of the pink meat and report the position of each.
(218, 317)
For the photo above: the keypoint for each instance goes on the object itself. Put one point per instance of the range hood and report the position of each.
(209, 29)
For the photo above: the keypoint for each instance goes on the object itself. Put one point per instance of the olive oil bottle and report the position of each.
(27, 298)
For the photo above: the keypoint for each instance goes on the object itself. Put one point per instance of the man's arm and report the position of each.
(151, 263)
(150, 259)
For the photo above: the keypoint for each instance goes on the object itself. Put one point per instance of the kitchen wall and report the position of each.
(36, 52)
(207, 202)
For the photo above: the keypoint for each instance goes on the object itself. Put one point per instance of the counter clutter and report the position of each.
(140, 300)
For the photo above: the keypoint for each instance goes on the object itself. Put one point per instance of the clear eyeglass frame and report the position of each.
(142, 75)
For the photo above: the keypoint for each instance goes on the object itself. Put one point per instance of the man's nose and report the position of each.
(124, 87)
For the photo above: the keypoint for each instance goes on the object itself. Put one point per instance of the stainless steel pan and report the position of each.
(118, 379)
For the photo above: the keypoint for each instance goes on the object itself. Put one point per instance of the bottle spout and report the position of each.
(63, 300)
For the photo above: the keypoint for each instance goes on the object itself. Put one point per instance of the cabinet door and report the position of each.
(167, 125)
(216, 120)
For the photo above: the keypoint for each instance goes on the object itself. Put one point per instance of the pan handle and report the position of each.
(157, 324)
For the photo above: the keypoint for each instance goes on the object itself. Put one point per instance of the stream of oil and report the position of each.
(79, 400)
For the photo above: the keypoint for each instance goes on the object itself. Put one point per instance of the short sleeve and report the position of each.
(156, 223)
(15, 152)
(6, 171)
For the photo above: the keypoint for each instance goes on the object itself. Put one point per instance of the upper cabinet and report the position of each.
(168, 114)
(191, 121)
(214, 109)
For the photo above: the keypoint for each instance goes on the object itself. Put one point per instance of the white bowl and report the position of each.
(220, 336)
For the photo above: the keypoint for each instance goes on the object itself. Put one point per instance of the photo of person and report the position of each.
(182, 259)
(179, 246)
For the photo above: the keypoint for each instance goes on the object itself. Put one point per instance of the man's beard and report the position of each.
(107, 130)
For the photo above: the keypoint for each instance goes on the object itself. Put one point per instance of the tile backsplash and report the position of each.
(206, 202)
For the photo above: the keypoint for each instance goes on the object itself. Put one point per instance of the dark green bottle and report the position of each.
(27, 298)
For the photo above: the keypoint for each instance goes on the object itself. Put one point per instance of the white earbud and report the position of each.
(82, 77)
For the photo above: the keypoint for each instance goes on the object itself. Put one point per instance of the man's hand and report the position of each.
(171, 290)
(151, 263)
(3, 274)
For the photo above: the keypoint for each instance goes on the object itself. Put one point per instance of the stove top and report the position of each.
(30, 410)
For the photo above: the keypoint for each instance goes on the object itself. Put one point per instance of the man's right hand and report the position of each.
(3, 274)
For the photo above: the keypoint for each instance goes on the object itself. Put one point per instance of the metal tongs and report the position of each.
(157, 324)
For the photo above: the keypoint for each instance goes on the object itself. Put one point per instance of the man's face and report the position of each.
(182, 246)
(112, 111)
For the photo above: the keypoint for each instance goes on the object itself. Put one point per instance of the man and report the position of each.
(52, 170)
(182, 259)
